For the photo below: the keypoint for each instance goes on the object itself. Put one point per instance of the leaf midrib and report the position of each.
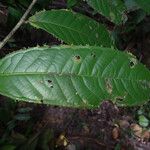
(69, 74)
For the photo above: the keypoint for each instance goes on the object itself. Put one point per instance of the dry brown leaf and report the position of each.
(137, 130)
(115, 133)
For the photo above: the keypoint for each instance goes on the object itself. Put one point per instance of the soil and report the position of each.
(84, 129)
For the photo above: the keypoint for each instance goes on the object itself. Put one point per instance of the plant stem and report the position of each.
(21, 21)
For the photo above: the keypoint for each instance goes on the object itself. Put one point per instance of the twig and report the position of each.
(21, 21)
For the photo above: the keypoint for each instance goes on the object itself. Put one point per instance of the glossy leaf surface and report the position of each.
(74, 76)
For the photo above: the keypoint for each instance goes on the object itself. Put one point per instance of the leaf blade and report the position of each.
(74, 76)
(113, 10)
(145, 5)
(71, 27)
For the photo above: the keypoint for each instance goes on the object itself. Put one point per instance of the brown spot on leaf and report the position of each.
(133, 62)
(119, 98)
(51, 86)
(49, 81)
(77, 58)
(137, 130)
(115, 133)
(93, 54)
(109, 86)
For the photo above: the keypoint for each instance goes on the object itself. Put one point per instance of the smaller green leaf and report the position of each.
(13, 16)
(144, 4)
(71, 27)
(113, 10)
(139, 16)
(71, 3)
(131, 5)
(143, 121)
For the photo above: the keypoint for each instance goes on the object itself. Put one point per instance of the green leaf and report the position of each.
(144, 4)
(131, 5)
(71, 3)
(74, 76)
(13, 16)
(113, 10)
(71, 27)
(143, 121)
